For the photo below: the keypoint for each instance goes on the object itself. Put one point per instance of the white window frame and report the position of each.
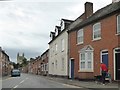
(86, 50)
(80, 36)
(63, 45)
(98, 30)
(118, 24)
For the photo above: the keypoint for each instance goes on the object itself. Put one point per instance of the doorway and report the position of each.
(117, 64)
(71, 68)
(105, 58)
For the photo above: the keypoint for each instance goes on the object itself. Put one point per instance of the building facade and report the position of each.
(96, 39)
(58, 50)
(34, 65)
(44, 62)
(5, 67)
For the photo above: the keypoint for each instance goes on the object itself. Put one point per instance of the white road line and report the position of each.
(15, 86)
(22, 81)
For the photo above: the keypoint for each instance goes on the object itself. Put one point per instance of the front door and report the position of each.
(105, 57)
(71, 68)
(117, 64)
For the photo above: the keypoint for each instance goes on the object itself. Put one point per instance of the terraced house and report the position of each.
(95, 38)
(44, 62)
(58, 50)
(5, 66)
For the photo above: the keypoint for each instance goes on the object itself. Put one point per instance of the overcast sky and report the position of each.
(25, 25)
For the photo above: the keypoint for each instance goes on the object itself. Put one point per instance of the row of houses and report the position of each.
(5, 64)
(77, 47)
(38, 65)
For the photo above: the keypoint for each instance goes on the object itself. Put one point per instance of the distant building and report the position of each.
(20, 58)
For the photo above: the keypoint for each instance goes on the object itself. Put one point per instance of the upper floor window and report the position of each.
(118, 24)
(80, 36)
(97, 31)
(63, 45)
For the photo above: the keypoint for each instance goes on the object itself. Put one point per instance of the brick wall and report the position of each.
(109, 41)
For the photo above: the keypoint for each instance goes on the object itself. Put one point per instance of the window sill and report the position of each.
(83, 71)
(118, 34)
(96, 39)
(79, 44)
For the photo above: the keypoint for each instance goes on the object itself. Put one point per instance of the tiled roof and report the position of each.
(102, 13)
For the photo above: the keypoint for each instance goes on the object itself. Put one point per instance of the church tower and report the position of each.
(20, 58)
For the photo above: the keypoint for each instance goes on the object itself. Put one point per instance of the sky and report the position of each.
(25, 25)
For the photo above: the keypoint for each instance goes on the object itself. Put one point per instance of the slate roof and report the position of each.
(98, 15)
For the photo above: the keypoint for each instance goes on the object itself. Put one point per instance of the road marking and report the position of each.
(15, 86)
(22, 81)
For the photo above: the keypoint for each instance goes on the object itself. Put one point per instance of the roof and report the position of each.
(98, 15)
(66, 20)
(45, 52)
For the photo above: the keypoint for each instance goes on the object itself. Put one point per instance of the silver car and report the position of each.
(15, 72)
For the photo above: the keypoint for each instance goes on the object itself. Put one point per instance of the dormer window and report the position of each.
(62, 25)
(52, 35)
(56, 31)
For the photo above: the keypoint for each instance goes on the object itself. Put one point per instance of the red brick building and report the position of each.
(34, 66)
(94, 38)
(5, 67)
(44, 62)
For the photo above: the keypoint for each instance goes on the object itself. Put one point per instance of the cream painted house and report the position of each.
(58, 50)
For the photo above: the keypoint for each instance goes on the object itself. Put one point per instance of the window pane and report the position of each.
(82, 65)
(83, 56)
(80, 36)
(89, 56)
(118, 24)
(89, 64)
(97, 30)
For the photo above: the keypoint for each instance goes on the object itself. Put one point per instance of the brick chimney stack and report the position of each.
(88, 9)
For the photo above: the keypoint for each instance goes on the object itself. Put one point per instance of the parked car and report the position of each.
(15, 72)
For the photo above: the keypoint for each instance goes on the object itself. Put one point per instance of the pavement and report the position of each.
(86, 84)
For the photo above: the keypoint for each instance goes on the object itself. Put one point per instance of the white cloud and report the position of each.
(26, 25)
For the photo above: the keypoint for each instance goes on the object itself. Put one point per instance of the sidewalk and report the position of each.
(84, 84)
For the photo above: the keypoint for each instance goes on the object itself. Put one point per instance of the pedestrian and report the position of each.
(104, 71)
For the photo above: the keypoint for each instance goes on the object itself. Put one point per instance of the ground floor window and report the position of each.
(86, 59)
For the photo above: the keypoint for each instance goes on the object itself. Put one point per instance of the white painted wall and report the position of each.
(58, 55)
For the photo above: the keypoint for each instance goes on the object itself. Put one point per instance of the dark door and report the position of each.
(72, 69)
(117, 57)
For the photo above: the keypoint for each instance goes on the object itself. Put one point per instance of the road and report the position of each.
(32, 81)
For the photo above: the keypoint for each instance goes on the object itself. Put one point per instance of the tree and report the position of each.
(25, 62)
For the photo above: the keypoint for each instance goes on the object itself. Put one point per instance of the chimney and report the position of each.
(88, 9)
(114, 1)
